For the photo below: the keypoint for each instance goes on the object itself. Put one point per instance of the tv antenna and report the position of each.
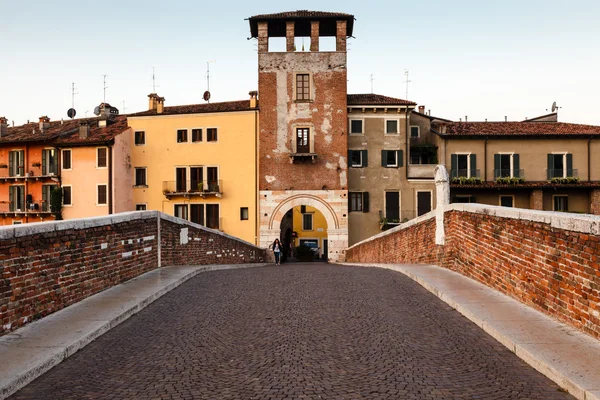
(105, 87)
(206, 95)
(153, 81)
(71, 111)
(407, 81)
(372, 83)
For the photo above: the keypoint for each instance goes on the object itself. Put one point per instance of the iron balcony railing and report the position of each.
(466, 173)
(396, 217)
(508, 173)
(561, 173)
(35, 207)
(193, 187)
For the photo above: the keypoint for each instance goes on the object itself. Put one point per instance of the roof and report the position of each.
(302, 18)
(376, 99)
(527, 185)
(227, 106)
(470, 129)
(552, 117)
(31, 132)
(116, 126)
(430, 117)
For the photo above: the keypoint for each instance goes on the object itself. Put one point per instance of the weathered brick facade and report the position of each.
(549, 261)
(46, 267)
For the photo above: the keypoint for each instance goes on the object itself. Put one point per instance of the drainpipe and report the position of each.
(589, 163)
(110, 183)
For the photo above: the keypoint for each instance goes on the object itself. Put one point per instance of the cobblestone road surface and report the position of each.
(312, 331)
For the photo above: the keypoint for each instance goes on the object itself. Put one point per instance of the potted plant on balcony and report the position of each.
(200, 186)
(2, 165)
(569, 180)
(36, 164)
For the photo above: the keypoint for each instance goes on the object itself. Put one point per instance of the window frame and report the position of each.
(244, 214)
(431, 208)
(362, 126)
(195, 130)
(47, 166)
(62, 156)
(98, 185)
(98, 157)
(145, 205)
(312, 224)
(70, 204)
(565, 170)
(512, 197)
(463, 196)
(17, 164)
(555, 196)
(469, 162)
(385, 126)
(216, 130)
(359, 194)
(180, 131)
(418, 131)
(135, 138)
(135, 177)
(182, 206)
(310, 85)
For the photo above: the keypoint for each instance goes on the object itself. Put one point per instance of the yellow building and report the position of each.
(198, 162)
(310, 228)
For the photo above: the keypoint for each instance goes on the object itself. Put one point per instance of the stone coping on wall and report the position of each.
(584, 223)
(16, 231)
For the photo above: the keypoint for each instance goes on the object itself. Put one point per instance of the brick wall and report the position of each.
(549, 261)
(46, 267)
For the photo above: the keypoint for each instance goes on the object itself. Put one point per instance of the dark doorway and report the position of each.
(392, 206)
(423, 203)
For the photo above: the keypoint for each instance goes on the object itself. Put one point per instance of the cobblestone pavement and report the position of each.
(312, 331)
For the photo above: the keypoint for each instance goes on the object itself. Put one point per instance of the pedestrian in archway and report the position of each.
(277, 250)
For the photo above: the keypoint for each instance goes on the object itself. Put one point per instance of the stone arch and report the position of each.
(306, 200)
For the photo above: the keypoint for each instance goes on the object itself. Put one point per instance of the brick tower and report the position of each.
(303, 122)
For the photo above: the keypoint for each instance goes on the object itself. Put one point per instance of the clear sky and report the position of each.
(483, 58)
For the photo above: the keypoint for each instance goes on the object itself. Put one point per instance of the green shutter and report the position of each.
(473, 165)
(569, 165)
(497, 172)
(11, 198)
(44, 172)
(400, 158)
(22, 163)
(365, 161)
(384, 158)
(11, 160)
(21, 197)
(365, 201)
(454, 165)
(550, 173)
(516, 166)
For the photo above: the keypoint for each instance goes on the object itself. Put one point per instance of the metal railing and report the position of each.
(561, 173)
(508, 173)
(396, 218)
(194, 187)
(465, 173)
(35, 207)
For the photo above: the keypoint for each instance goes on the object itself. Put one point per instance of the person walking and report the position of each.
(277, 251)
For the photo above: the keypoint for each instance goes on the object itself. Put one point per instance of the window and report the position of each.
(17, 222)
(197, 213)
(196, 135)
(358, 158)
(140, 138)
(66, 159)
(507, 201)
(49, 162)
(307, 222)
(356, 126)
(465, 198)
(140, 176)
(391, 126)
(302, 87)
(506, 166)
(181, 135)
(211, 135)
(302, 140)
(359, 201)
(415, 131)
(181, 211)
(16, 163)
(560, 166)
(243, 213)
(101, 160)
(464, 165)
(392, 206)
(67, 201)
(102, 195)
(47, 196)
(140, 207)
(423, 202)
(16, 195)
(392, 158)
(423, 154)
(212, 216)
(561, 203)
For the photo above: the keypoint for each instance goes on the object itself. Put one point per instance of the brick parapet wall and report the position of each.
(48, 266)
(549, 261)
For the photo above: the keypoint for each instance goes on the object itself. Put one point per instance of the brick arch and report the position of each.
(304, 200)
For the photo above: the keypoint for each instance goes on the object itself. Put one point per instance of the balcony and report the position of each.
(33, 208)
(389, 221)
(193, 188)
(27, 176)
(302, 157)
(421, 170)
(508, 173)
(561, 173)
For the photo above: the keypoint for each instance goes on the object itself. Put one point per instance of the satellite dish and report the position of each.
(554, 108)
(206, 96)
(71, 113)
(97, 110)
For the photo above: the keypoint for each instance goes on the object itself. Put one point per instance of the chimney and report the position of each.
(84, 130)
(505, 118)
(160, 104)
(253, 100)
(152, 101)
(3, 126)
(466, 118)
(44, 123)
(422, 109)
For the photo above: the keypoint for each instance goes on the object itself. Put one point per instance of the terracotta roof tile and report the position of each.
(301, 14)
(458, 129)
(31, 132)
(228, 106)
(376, 99)
(115, 126)
(302, 18)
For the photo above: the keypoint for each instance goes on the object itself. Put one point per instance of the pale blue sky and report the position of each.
(484, 59)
